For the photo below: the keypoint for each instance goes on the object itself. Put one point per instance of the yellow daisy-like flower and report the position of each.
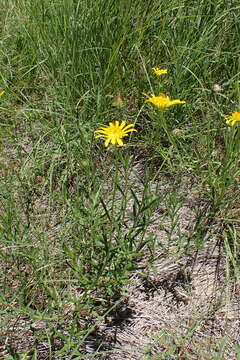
(157, 71)
(162, 101)
(113, 133)
(233, 118)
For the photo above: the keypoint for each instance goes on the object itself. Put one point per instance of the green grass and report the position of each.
(76, 218)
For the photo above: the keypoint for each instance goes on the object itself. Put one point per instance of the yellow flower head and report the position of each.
(157, 71)
(233, 118)
(113, 133)
(162, 101)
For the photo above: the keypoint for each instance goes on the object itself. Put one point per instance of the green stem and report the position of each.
(115, 180)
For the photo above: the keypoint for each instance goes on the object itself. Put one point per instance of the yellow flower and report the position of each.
(233, 118)
(113, 133)
(162, 101)
(157, 71)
